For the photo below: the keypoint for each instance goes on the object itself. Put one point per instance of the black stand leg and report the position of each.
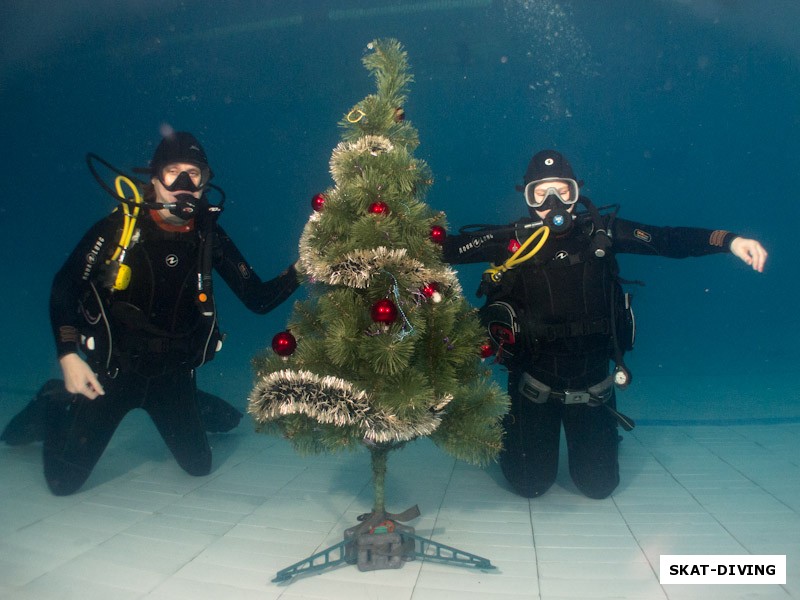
(380, 542)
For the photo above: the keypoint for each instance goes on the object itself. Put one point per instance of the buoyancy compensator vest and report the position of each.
(569, 289)
(131, 326)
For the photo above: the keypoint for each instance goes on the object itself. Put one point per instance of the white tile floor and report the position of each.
(141, 528)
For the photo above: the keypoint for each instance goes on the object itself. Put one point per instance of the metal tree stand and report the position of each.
(381, 542)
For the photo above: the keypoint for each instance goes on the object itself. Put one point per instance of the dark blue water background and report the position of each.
(685, 112)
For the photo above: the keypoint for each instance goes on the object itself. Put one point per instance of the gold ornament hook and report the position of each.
(360, 114)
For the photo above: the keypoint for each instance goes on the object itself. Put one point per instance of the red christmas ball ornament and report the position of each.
(486, 350)
(384, 311)
(318, 202)
(513, 245)
(284, 344)
(438, 234)
(379, 208)
(431, 291)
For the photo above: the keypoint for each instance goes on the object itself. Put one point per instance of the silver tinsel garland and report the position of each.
(332, 401)
(357, 269)
(368, 144)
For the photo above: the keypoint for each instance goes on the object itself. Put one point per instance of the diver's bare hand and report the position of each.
(750, 251)
(79, 377)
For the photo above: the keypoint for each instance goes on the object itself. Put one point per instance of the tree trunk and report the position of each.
(380, 456)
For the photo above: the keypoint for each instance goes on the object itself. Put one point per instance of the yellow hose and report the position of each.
(131, 214)
(122, 277)
(520, 256)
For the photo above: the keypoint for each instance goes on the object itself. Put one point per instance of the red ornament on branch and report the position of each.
(384, 311)
(318, 202)
(284, 344)
(379, 208)
(486, 350)
(431, 290)
(438, 234)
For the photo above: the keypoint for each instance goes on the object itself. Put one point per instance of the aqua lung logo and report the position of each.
(171, 260)
(91, 258)
(562, 255)
(475, 243)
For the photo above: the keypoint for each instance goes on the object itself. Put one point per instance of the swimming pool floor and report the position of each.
(141, 528)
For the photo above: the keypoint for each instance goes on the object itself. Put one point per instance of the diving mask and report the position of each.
(184, 185)
(564, 190)
(190, 180)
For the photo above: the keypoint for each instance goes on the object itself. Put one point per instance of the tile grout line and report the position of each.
(638, 544)
(535, 553)
(433, 527)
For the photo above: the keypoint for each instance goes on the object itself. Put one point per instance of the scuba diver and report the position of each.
(133, 315)
(557, 315)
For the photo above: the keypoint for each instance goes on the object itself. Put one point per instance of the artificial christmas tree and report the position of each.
(386, 349)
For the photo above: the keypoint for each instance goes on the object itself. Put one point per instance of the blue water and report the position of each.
(684, 112)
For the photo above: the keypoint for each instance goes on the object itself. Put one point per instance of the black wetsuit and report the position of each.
(147, 341)
(563, 296)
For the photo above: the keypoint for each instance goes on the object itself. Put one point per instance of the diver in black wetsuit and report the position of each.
(145, 319)
(559, 318)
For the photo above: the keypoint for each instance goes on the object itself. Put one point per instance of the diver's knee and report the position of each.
(523, 482)
(529, 489)
(597, 490)
(65, 483)
(198, 466)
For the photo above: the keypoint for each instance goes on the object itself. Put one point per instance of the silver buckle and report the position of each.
(576, 397)
(533, 389)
